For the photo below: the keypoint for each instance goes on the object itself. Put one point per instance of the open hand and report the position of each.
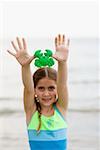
(61, 54)
(21, 54)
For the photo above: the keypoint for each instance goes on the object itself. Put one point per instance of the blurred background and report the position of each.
(39, 22)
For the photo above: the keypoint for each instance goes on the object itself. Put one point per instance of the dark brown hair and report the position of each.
(38, 75)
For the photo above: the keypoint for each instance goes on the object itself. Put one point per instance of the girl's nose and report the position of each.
(46, 92)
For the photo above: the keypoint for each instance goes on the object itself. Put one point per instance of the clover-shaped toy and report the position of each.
(43, 59)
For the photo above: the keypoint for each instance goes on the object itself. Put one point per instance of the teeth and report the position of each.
(46, 99)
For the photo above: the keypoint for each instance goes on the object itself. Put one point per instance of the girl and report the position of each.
(45, 97)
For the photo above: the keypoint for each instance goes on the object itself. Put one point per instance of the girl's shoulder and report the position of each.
(29, 114)
(60, 110)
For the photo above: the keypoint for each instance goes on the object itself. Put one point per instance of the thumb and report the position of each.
(55, 57)
(32, 57)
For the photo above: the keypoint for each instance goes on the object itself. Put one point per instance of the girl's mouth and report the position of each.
(46, 99)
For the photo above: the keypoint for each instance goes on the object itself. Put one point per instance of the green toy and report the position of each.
(43, 59)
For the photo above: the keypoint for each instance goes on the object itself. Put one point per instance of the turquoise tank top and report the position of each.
(53, 132)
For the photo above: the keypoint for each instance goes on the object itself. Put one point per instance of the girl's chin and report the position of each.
(47, 103)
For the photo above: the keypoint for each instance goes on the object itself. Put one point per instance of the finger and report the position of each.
(68, 42)
(24, 44)
(14, 46)
(59, 39)
(56, 42)
(63, 39)
(19, 43)
(11, 53)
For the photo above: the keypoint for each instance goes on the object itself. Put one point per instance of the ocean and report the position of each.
(84, 95)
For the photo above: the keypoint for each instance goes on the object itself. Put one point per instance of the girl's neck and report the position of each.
(47, 111)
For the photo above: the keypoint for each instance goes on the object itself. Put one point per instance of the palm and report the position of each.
(23, 57)
(61, 53)
(21, 54)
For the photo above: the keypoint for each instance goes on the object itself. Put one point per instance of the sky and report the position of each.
(76, 18)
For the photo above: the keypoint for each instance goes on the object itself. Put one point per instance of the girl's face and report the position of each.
(46, 91)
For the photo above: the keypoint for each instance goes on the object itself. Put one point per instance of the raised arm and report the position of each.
(24, 59)
(61, 55)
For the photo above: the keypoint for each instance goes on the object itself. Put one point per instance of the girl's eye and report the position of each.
(41, 88)
(51, 88)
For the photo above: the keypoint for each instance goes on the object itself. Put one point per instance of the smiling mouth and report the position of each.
(47, 99)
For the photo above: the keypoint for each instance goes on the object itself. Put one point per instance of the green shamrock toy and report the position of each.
(44, 59)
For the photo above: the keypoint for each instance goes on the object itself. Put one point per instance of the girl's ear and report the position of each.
(34, 90)
(56, 97)
(35, 95)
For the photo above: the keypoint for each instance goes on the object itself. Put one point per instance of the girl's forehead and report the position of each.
(46, 81)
